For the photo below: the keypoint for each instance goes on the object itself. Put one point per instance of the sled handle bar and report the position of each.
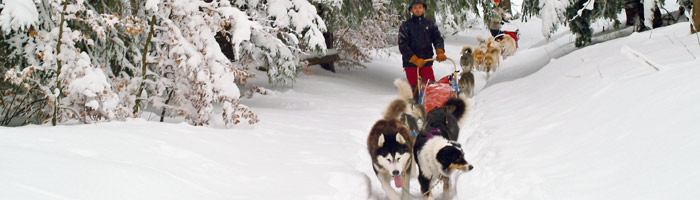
(453, 63)
(420, 80)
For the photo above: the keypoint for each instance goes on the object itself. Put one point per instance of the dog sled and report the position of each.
(432, 95)
(513, 34)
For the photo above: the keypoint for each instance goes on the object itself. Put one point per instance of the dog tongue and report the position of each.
(397, 181)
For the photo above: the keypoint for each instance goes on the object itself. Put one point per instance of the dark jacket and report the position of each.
(417, 36)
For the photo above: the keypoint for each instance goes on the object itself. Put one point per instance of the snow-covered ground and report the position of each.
(554, 122)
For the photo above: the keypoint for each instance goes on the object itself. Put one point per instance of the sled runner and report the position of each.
(432, 95)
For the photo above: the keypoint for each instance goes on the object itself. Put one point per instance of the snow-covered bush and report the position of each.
(50, 49)
(97, 60)
(374, 33)
(287, 28)
(190, 63)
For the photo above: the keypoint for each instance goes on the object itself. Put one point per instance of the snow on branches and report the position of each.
(17, 15)
(77, 89)
(286, 29)
(90, 65)
(191, 64)
(552, 13)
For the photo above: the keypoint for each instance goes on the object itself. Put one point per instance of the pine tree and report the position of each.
(190, 66)
(552, 13)
(287, 29)
(581, 13)
(578, 14)
(579, 17)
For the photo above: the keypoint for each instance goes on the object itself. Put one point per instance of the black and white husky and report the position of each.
(390, 145)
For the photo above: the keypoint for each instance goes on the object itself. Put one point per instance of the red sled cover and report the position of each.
(437, 94)
(514, 35)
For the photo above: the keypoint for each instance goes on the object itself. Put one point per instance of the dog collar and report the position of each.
(430, 134)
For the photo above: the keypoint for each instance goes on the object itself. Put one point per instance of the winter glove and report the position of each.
(417, 61)
(440, 55)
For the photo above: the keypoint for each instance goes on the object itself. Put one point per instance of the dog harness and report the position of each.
(431, 135)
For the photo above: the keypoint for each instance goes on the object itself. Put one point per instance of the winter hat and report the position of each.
(497, 1)
(418, 2)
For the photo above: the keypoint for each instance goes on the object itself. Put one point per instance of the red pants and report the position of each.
(426, 74)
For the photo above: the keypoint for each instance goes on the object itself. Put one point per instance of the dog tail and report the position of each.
(466, 49)
(458, 107)
(495, 50)
(405, 91)
(395, 109)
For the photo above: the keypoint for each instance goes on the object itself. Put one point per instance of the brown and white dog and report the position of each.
(492, 60)
(508, 46)
(479, 54)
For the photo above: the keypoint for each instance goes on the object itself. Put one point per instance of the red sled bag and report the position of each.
(513, 34)
(437, 94)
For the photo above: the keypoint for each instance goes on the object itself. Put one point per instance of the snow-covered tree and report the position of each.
(552, 14)
(191, 68)
(99, 59)
(287, 28)
(577, 14)
(50, 49)
(357, 28)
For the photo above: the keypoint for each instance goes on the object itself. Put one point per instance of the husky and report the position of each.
(466, 60)
(391, 147)
(438, 158)
(413, 115)
(466, 78)
(466, 83)
(508, 46)
(492, 60)
(479, 54)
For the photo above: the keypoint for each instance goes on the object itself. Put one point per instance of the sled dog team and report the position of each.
(407, 136)
(485, 57)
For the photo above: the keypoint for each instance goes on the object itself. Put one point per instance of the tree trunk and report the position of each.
(325, 59)
(696, 16)
(58, 64)
(322, 11)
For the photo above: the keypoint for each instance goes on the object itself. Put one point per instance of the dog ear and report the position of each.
(400, 139)
(381, 140)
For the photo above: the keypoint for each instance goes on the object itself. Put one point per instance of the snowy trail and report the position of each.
(593, 124)
(529, 60)
(507, 120)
